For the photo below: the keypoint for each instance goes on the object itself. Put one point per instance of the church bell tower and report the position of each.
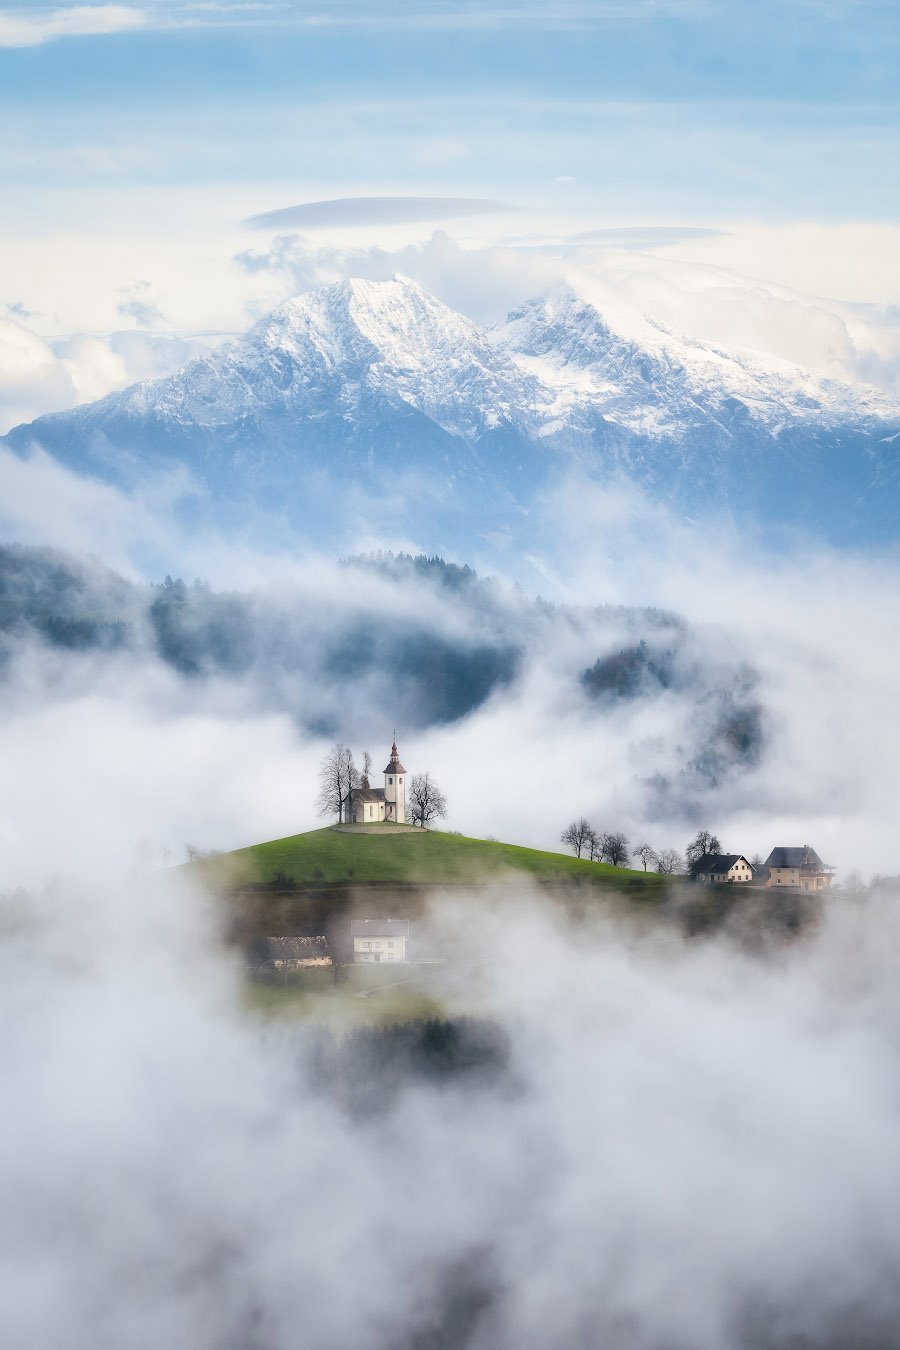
(395, 789)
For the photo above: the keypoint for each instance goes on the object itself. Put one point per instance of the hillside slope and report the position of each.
(330, 857)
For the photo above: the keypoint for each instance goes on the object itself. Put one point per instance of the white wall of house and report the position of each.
(366, 813)
(740, 871)
(784, 876)
(800, 880)
(379, 950)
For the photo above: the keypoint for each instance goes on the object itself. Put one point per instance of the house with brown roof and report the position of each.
(368, 805)
(801, 868)
(297, 953)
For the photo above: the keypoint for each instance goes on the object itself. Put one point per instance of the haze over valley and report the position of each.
(516, 387)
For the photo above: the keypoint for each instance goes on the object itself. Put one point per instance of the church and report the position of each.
(369, 805)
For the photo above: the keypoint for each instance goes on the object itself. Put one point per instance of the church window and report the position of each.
(390, 782)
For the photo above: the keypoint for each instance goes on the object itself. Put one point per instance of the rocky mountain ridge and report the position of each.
(363, 380)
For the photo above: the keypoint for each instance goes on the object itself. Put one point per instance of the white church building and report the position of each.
(369, 805)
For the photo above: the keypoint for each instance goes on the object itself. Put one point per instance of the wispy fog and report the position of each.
(135, 721)
(672, 1144)
(44, 375)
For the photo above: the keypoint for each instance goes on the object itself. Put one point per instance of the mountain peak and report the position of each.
(395, 324)
(379, 374)
(358, 296)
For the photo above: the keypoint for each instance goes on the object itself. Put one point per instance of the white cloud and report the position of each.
(706, 301)
(39, 375)
(807, 621)
(32, 379)
(726, 308)
(178, 788)
(31, 27)
(821, 627)
(481, 282)
(40, 23)
(363, 212)
(823, 296)
(139, 531)
(675, 1139)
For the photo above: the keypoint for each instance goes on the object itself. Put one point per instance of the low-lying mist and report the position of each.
(148, 694)
(642, 1141)
(652, 675)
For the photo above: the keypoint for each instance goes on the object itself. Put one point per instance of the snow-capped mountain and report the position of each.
(658, 384)
(331, 351)
(369, 382)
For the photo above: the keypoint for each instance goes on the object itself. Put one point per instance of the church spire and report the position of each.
(394, 765)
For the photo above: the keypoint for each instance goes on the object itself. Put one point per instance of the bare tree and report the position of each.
(424, 802)
(338, 777)
(366, 770)
(646, 854)
(669, 862)
(594, 845)
(614, 849)
(705, 842)
(577, 836)
(194, 854)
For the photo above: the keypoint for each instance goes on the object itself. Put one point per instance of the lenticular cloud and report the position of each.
(353, 211)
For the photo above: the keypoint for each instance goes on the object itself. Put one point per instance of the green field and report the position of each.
(427, 857)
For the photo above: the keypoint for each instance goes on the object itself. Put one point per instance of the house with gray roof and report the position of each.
(719, 869)
(800, 868)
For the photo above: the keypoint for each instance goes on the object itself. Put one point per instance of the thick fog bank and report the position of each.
(138, 719)
(667, 1144)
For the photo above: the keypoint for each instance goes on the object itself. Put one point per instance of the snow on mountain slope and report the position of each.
(327, 350)
(658, 386)
(364, 381)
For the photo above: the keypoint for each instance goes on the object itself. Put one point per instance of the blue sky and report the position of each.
(700, 108)
(739, 155)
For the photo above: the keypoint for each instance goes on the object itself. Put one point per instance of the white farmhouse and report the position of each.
(376, 940)
(718, 869)
(369, 805)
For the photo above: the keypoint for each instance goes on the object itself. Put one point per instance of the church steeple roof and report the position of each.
(395, 766)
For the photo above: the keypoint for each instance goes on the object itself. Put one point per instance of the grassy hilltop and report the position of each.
(316, 882)
(406, 855)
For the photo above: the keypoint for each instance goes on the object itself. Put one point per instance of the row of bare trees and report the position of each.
(613, 847)
(599, 846)
(339, 777)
